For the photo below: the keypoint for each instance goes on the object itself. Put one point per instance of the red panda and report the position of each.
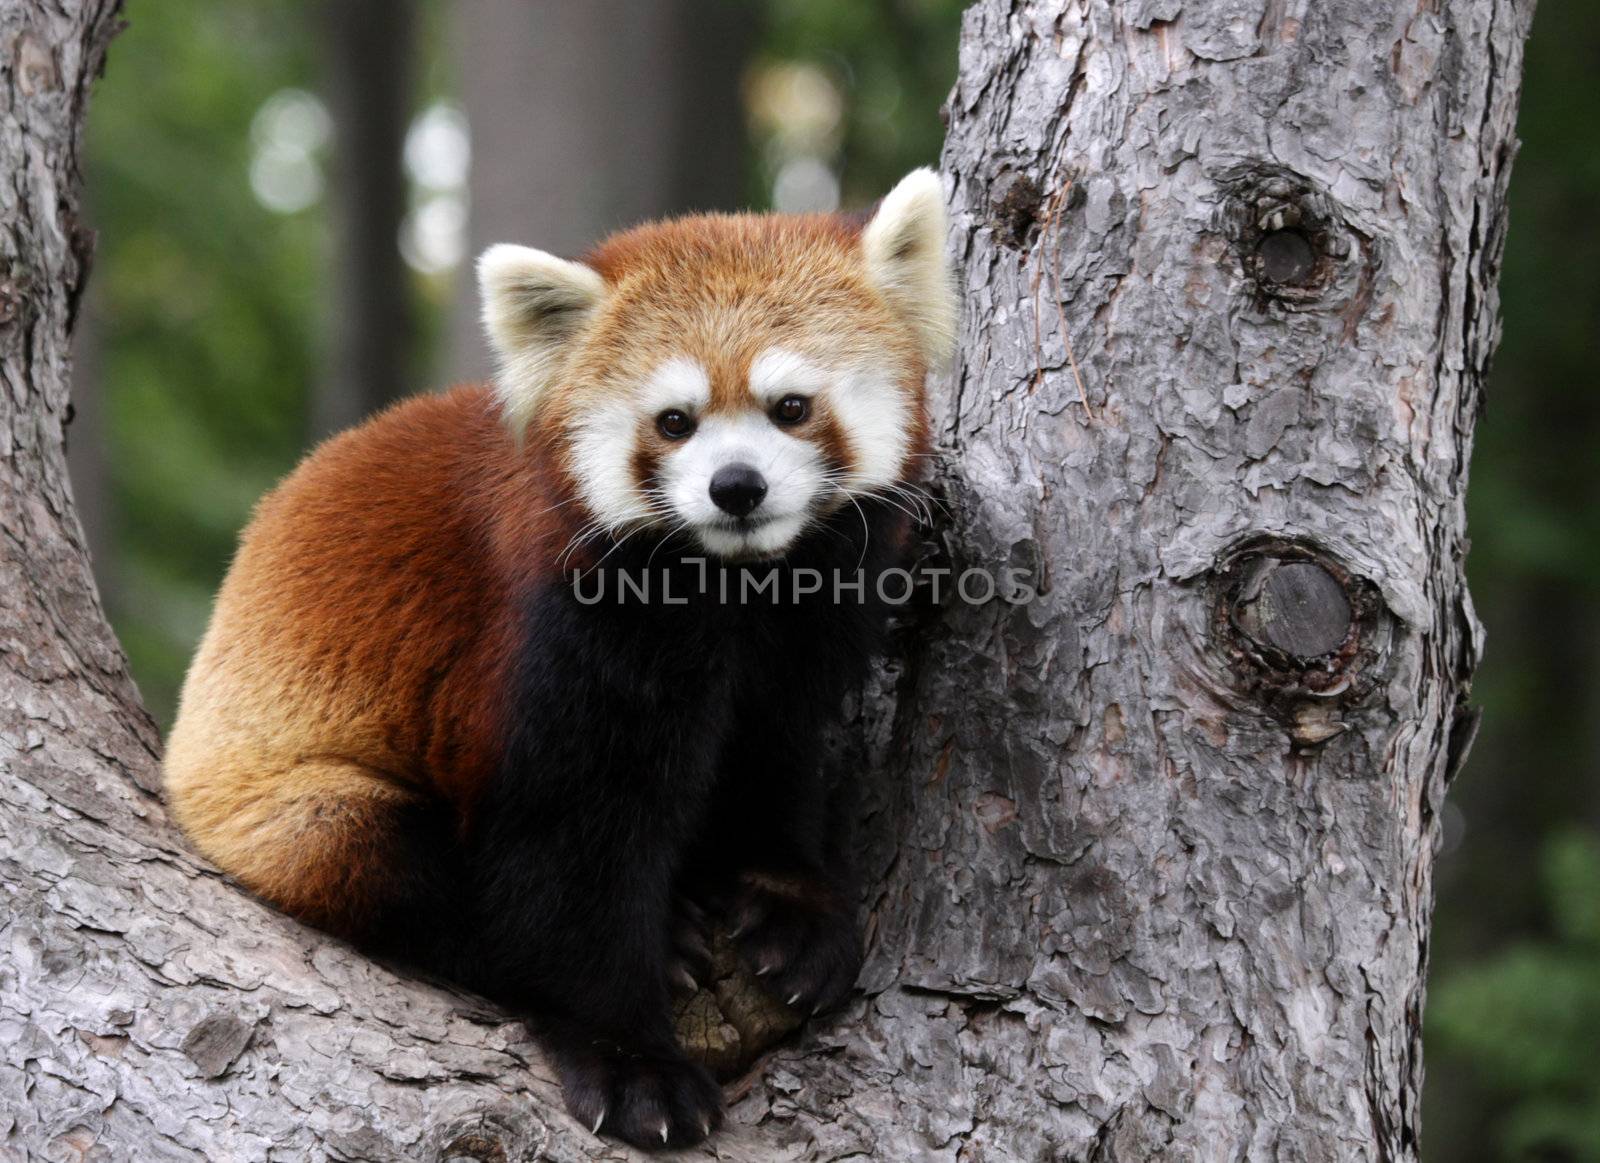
(409, 724)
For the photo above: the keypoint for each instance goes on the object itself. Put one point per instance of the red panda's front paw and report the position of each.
(653, 1101)
(798, 938)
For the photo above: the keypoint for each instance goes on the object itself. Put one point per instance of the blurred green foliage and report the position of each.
(205, 336)
(893, 61)
(1528, 1017)
(203, 313)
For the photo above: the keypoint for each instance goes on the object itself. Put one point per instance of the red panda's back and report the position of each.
(360, 626)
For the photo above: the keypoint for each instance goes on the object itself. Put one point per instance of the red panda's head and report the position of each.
(735, 376)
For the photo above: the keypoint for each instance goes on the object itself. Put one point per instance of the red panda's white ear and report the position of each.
(904, 248)
(534, 305)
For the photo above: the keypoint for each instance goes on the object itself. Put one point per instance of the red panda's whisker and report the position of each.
(620, 542)
(923, 513)
(888, 498)
(673, 532)
(554, 507)
(933, 502)
(882, 493)
(588, 531)
(866, 531)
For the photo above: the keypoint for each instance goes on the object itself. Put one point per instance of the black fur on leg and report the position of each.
(653, 748)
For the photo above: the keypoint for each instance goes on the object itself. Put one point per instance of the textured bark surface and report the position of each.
(1148, 857)
(1160, 884)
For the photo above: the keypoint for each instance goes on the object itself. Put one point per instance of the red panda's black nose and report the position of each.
(737, 489)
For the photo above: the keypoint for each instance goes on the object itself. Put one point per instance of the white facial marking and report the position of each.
(603, 441)
(791, 467)
(875, 418)
(873, 413)
(778, 372)
(602, 454)
(680, 383)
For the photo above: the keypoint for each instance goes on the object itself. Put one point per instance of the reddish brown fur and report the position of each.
(393, 552)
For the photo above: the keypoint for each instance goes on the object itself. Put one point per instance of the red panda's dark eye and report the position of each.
(791, 409)
(674, 425)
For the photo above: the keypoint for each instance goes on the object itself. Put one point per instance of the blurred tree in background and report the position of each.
(368, 56)
(587, 118)
(211, 334)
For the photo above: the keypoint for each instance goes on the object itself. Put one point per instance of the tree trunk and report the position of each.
(369, 71)
(589, 117)
(1164, 873)
(1148, 856)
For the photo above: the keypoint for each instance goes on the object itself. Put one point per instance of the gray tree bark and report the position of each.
(1148, 857)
